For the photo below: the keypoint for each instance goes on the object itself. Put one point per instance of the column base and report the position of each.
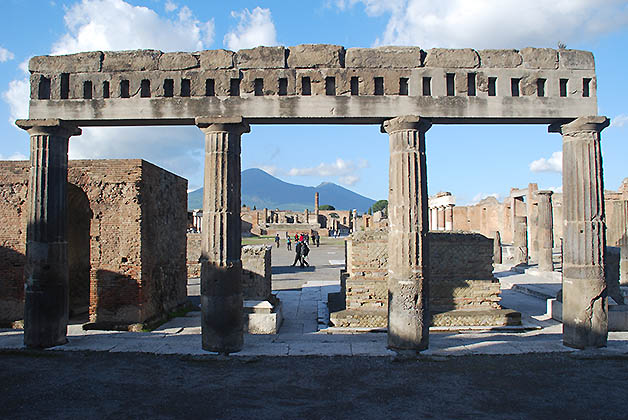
(585, 313)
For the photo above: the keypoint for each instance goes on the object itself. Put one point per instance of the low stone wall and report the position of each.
(460, 271)
(256, 267)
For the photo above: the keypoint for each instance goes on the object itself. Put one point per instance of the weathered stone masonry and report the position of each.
(126, 240)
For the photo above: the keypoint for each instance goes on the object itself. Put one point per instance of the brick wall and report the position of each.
(461, 266)
(135, 237)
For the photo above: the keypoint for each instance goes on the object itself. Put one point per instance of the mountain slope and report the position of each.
(261, 189)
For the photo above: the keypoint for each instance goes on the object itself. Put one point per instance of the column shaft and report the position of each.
(441, 218)
(585, 308)
(221, 266)
(449, 217)
(520, 240)
(46, 281)
(408, 311)
(544, 232)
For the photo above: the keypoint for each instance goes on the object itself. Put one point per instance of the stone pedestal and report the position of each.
(497, 248)
(408, 311)
(221, 265)
(544, 231)
(46, 272)
(585, 308)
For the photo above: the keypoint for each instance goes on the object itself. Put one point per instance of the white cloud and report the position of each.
(463, 23)
(345, 170)
(552, 164)
(5, 55)
(619, 121)
(170, 6)
(17, 96)
(118, 25)
(14, 156)
(254, 29)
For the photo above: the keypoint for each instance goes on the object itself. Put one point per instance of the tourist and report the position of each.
(297, 257)
(318, 240)
(277, 240)
(305, 250)
(289, 243)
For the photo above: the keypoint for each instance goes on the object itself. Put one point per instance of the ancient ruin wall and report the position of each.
(310, 82)
(256, 272)
(460, 265)
(120, 197)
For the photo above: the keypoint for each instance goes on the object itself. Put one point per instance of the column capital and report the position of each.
(406, 122)
(52, 126)
(228, 124)
(581, 124)
(547, 193)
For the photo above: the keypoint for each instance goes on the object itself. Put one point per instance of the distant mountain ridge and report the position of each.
(260, 189)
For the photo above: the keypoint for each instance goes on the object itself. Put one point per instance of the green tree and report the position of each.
(327, 207)
(379, 205)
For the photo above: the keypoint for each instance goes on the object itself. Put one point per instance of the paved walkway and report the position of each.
(303, 293)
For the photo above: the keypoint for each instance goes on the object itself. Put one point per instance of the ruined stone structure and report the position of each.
(463, 291)
(125, 241)
(441, 211)
(405, 89)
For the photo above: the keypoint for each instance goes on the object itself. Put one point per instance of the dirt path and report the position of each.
(103, 385)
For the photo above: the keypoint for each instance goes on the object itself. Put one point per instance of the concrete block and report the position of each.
(316, 56)
(262, 317)
(393, 57)
(178, 61)
(262, 58)
(540, 58)
(452, 58)
(216, 59)
(138, 60)
(84, 62)
(576, 60)
(500, 58)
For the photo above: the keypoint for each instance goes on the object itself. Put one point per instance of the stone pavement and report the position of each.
(303, 293)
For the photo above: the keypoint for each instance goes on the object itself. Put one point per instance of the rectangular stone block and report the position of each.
(500, 58)
(576, 60)
(136, 60)
(74, 63)
(464, 58)
(262, 58)
(539, 58)
(178, 61)
(384, 57)
(216, 59)
(316, 56)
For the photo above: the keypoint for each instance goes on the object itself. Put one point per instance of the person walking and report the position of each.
(277, 240)
(297, 257)
(289, 243)
(305, 250)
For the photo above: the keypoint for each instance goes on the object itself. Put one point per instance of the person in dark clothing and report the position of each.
(277, 240)
(297, 257)
(289, 243)
(305, 250)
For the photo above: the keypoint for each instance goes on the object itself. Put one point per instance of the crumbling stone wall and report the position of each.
(256, 272)
(193, 255)
(460, 267)
(136, 232)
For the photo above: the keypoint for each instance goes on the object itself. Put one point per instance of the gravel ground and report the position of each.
(76, 385)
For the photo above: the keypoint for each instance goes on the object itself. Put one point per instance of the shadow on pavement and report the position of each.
(284, 269)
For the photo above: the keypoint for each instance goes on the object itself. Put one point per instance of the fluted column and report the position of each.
(221, 266)
(46, 280)
(544, 232)
(449, 217)
(441, 218)
(408, 310)
(585, 307)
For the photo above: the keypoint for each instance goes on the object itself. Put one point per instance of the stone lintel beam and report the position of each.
(585, 307)
(545, 228)
(221, 265)
(408, 311)
(46, 282)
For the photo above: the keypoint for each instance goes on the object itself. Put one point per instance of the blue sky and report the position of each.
(470, 161)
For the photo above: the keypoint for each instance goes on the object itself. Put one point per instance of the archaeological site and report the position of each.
(112, 239)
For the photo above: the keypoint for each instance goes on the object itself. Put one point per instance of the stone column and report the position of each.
(408, 310)
(316, 204)
(430, 212)
(544, 231)
(221, 266)
(307, 216)
(532, 214)
(46, 281)
(441, 218)
(585, 308)
(265, 215)
(449, 217)
(354, 219)
(497, 248)
(520, 240)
